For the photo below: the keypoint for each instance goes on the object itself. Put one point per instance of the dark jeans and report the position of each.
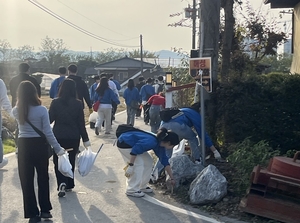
(67, 144)
(33, 155)
(114, 110)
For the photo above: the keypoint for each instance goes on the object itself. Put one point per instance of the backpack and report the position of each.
(169, 113)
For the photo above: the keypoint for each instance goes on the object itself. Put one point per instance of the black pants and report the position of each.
(33, 155)
(114, 110)
(67, 144)
(138, 112)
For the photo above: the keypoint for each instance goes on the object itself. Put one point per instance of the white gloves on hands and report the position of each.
(217, 155)
(128, 171)
(61, 152)
(87, 144)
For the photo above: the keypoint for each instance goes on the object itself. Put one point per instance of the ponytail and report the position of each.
(163, 135)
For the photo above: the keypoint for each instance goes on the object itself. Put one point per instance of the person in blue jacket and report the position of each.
(182, 125)
(94, 86)
(145, 93)
(132, 98)
(57, 82)
(106, 96)
(134, 147)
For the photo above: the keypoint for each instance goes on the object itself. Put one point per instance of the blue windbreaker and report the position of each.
(93, 90)
(131, 95)
(142, 142)
(146, 92)
(192, 118)
(55, 86)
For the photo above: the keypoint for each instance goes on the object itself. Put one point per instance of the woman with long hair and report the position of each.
(69, 126)
(132, 99)
(105, 95)
(134, 151)
(33, 151)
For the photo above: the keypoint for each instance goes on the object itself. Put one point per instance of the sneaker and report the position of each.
(4, 162)
(147, 190)
(97, 131)
(135, 194)
(46, 215)
(35, 219)
(61, 189)
(68, 189)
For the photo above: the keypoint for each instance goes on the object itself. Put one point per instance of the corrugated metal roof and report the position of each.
(125, 62)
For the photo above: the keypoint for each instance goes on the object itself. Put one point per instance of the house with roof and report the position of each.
(295, 5)
(126, 68)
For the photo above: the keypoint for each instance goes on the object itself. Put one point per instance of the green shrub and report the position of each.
(245, 156)
(264, 107)
(9, 146)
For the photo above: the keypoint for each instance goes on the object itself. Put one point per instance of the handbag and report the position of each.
(49, 147)
(96, 106)
(135, 104)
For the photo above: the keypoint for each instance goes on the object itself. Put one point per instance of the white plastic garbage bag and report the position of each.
(179, 149)
(93, 117)
(86, 160)
(64, 165)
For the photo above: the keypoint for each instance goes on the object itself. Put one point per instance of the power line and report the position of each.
(131, 38)
(45, 9)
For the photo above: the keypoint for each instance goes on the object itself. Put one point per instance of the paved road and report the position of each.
(98, 197)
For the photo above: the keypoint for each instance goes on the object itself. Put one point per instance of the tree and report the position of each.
(5, 50)
(146, 54)
(23, 52)
(54, 50)
(227, 37)
(109, 54)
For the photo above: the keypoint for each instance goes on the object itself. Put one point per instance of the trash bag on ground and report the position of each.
(64, 165)
(86, 160)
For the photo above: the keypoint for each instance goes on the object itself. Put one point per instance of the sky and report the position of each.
(120, 21)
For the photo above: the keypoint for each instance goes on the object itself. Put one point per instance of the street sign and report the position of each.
(200, 68)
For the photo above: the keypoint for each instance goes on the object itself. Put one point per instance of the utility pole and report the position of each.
(141, 46)
(194, 16)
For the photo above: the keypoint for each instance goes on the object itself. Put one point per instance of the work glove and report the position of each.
(91, 110)
(128, 171)
(61, 152)
(87, 144)
(217, 155)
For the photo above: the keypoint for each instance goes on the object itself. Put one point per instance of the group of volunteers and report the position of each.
(69, 91)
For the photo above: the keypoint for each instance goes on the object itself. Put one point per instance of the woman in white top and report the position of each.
(33, 152)
(4, 104)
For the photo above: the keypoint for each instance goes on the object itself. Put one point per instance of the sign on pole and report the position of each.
(202, 68)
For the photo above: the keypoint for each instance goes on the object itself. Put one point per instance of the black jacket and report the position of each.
(82, 90)
(14, 84)
(69, 119)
